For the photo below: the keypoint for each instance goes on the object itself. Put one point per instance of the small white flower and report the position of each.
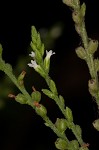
(32, 54)
(49, 54)
(33, 64)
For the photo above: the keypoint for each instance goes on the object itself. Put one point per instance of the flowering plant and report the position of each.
(41, 65)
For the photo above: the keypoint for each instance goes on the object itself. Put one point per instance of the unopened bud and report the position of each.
(61, 144)
(96, 124)
(61, 125)
(41, 111)
(81, 53)
(93, 87)
(36, 96)
(21, 99)
(76, 17)
(93, 45)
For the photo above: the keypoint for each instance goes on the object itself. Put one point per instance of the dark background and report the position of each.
(20, 127)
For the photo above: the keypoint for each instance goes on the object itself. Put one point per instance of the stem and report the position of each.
(14, 80)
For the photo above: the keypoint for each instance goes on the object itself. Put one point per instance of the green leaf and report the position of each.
(38, 57)
(69, 114)
(83, 9)
(52, 86)
(73, 145)
(39, 41)
(62, 101)
(48, 93)
(34, 34)
(33, 46)
(78, 130)
(42, 49)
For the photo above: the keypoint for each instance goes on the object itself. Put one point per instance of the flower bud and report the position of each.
(76, 17)
(81, 53)
(61, 144)
(41, 110)
(96, 124)
(73, 145)
(21, 77)
(36, 96)
(92, 47)
(61, 125)
(21, 98)
(68, 114)
(93, 87)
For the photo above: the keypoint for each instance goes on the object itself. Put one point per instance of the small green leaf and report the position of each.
(83, 9)
(48, 93)
(78, 130)
(69, 114)
(33, 46)
(38, 57)
(39, 41)
(62, 101)
(52, 86)
(73, 145)
(42, 49)
(34, 34)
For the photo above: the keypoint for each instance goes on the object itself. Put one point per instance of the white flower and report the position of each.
(32, 54)
(49, 54)
(33, 64)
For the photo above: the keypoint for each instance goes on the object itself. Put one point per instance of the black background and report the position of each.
(20, 127)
